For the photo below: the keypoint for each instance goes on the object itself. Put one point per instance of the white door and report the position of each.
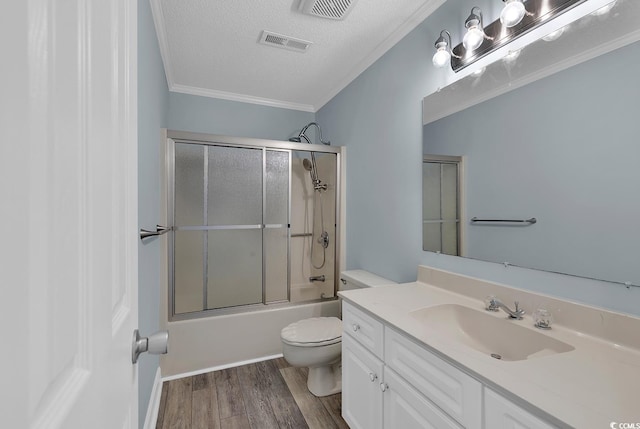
(68, 183)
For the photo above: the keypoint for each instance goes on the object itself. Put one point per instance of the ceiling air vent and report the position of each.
(282, 41)
(332, 9)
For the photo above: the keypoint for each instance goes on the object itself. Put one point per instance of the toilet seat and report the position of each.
(313, 332)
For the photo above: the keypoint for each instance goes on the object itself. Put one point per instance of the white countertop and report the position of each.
(589, 387)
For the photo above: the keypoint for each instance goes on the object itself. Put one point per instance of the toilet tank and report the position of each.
(356, 279)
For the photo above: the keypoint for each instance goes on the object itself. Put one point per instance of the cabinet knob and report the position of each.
(384, 387)
(373, 377)
(355, 327)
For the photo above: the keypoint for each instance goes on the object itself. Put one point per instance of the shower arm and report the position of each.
(304, 135)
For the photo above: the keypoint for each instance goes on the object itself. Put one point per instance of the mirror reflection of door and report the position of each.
(441, 204)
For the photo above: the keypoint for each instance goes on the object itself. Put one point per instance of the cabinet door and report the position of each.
(405, 408)
(456, 393)
(501, 413)
(361, 393)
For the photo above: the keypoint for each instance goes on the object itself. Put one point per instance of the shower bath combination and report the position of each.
(318, 187)
(242, 212)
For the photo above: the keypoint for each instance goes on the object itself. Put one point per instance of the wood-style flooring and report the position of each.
(264, 395)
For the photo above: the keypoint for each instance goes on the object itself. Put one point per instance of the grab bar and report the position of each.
(145, 233)
(530, 221)
(302, 234)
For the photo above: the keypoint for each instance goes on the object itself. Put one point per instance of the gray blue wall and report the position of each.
(214, 116)
(378, 118)
(153, 104)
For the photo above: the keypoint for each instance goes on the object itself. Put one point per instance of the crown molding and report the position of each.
(416, 18)
(158, 19)
(243, 98)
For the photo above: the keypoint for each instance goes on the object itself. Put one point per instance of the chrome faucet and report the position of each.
(494, 304)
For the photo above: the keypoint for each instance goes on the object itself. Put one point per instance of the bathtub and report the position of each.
(205, 344)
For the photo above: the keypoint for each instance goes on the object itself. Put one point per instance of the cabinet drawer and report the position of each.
(499, 412)
(364, 328)
(456, 393)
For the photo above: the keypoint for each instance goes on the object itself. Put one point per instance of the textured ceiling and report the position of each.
(210, 47)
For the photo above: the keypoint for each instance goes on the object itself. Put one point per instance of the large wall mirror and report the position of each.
(563, 150)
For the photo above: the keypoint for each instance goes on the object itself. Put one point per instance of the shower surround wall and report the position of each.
(302, 221)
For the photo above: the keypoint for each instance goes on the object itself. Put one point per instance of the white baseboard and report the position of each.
(154, 403)
(216, 368)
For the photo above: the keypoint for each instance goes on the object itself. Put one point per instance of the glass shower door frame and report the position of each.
(174, 137)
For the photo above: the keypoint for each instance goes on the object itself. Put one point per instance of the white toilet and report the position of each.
(316, 342)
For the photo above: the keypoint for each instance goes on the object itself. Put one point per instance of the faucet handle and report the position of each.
(542, 319)
(491, 303)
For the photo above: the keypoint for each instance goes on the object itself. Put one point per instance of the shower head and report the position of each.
(310, 166)
(307, 164)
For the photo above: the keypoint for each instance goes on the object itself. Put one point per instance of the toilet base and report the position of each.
(325, 380)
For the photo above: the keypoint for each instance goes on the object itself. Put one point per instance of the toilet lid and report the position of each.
(316, 331)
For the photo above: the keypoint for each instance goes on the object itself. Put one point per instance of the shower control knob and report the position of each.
(355, 327)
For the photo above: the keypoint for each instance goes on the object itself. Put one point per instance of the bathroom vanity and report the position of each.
(419, 355)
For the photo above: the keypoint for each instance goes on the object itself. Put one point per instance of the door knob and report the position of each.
(156, 344)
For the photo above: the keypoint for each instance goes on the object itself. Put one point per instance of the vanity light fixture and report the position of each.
(474, 36)
(516, 21)
(443, 49)
(512, 13)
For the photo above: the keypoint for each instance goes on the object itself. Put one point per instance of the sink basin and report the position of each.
(497, 337)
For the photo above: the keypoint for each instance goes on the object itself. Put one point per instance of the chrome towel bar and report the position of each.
(530, 221)
(144, 233)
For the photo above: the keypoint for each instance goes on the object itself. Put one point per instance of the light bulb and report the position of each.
(512, 55)
(604, 9)
(479, 72)
(442, 57)
(473, 38)
(512, 13)
(554, 35)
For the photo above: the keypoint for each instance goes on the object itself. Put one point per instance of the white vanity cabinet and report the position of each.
(389, 381)
(501, 413)
(374, 396)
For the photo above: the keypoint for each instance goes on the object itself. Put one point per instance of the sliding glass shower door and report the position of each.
(231, 226)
